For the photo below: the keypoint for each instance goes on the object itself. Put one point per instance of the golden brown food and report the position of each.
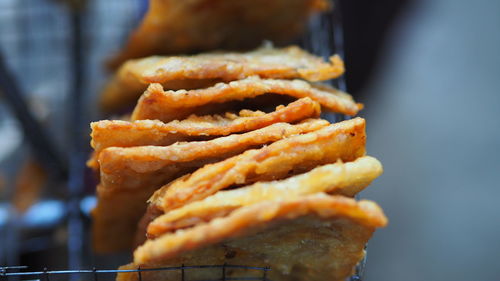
(316, 237)
(107, 133)
(172, 27)
(114, 219)
(344, 140)
(203, 70)
(156, 103)
(340, 178)
(125, 167)
(29, 183)
(129, 176)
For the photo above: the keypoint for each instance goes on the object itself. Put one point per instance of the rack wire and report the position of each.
(70, 76)
(6, 272)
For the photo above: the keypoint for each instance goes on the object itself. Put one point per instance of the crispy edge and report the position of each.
(344, 140)
(144, 159)
(244, 219)
(156, 103)
(203, 70)
(339, 178)
(108, 133)
(294, 62)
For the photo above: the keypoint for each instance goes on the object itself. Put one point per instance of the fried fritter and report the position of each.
(172, 27)
(129, 176)
(156, 103)
(204, 70)
(339, 178)
(118, 133)
(315, 237)
(125, 167)
(344, 140)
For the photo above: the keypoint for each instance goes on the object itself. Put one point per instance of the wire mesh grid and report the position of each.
(97, 274)
(28, 28)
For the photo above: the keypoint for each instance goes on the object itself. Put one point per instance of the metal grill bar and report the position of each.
(4, 273)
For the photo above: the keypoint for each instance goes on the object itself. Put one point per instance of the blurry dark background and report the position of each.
(427, 72)
(432, 101)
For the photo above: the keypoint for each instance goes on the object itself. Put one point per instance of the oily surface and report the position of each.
(204, 70)
(129, 176)
(339, 178)
(156, 103)
(344, 140)
(316, 237)
(118, 133)
(126, 167)
(171, 27)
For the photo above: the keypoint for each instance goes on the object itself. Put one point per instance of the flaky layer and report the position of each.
(156, 103)
(316, 237)
(129, 176)
(108, 133)
(344, 140)
(124, 167)
(203, 70)
(339, 178)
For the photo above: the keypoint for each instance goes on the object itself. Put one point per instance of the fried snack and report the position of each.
(172, 27)
(344, 140)
(156, 103)
(129, 176)
(125, 167)
(118, 133)
(340, 178)
(203, 70)
(315, 237)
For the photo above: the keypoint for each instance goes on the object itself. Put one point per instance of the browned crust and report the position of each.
(242, 221)
(338, 178)
(108, 133)
(344, 140)
(130, 175)
(179, 27)
(121, 167)
(157, 103)
(203, 70)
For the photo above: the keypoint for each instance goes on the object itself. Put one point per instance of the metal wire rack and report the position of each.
(69, 78)
(96, 274)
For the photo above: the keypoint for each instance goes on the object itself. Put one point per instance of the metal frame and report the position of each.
(324, 38)
(47, 274)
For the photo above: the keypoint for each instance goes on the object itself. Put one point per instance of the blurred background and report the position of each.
(432, 117)
(426, 70)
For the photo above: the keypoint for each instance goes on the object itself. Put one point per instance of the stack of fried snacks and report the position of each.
(234, 172)
(173, 27)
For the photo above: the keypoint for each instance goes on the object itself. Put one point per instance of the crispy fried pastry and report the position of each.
(339, 178)
(172, 27)
(125, 167)
(203, 70)
(344, 140)
(129, 176)
(315, 237)
(156, 103)
(118, 133)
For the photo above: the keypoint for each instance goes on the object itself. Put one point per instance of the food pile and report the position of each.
(225, 159)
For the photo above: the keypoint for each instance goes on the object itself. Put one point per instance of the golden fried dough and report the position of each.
(339, 178)
(203, 70)
(315, 237)
(114, 219)
(172, 27)
(125, 167)
(344, 140)
(129, 176)
(156, 103)
(118, 133)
